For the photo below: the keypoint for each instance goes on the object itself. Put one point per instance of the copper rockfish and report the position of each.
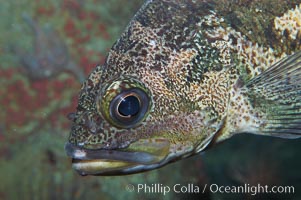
(186, 74)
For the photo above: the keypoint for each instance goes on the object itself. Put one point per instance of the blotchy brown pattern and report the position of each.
(191, 56)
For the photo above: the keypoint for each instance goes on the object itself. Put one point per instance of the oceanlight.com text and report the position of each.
(158, 188)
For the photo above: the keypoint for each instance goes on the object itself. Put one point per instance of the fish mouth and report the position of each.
(142, 155)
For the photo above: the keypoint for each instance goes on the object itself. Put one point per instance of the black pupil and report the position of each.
(129, 106)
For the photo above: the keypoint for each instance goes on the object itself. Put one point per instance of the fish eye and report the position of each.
(124, 103)
(129, 107)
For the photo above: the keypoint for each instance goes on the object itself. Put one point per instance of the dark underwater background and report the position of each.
(47, 47)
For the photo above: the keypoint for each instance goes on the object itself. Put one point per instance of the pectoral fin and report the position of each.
(276, 96)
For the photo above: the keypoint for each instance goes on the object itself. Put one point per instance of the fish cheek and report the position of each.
(106, 136)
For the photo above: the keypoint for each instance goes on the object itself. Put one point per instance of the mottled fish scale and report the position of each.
(206, 70)
(221, 40)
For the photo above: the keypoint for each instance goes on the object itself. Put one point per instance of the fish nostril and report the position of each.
(71, 116)
(89, 124)
(93, 129)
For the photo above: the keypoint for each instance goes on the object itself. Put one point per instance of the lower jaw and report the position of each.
(112, 167)
(100, 167)
(140, 156)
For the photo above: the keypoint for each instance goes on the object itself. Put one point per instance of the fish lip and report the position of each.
(113, 162)
(132, 169)
(78, 153)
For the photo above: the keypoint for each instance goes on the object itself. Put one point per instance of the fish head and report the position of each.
(126, 126)
(138, 111)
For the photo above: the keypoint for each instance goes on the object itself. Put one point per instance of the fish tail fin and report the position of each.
(276, 96)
